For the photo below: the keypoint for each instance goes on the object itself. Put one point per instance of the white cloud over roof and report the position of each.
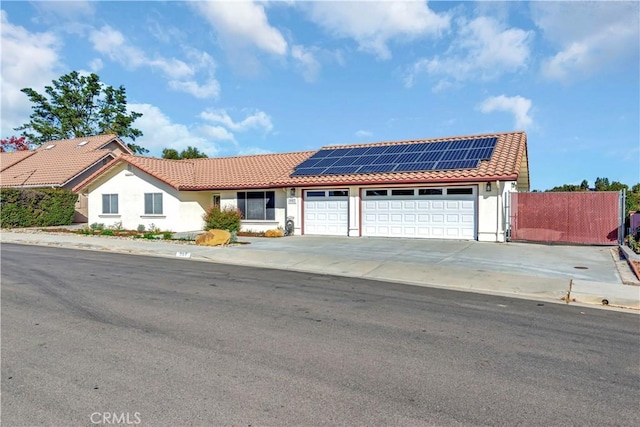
(589, 38)
(373, 25)
(483, 48)
(518, 106)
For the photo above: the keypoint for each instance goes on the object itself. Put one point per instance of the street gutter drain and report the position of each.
(579, 267)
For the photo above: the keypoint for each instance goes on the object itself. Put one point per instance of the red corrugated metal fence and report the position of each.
(580, 217)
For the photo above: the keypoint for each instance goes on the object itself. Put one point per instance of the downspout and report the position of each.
(286, 205)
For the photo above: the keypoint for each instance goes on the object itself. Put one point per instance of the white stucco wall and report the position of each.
(180, 211)
(492, 212)
(490, 207)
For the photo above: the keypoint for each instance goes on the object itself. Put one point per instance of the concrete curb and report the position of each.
(451, 277)
(583, 291)
(631, 256)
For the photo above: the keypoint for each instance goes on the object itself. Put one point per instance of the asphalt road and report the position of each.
(179, 342)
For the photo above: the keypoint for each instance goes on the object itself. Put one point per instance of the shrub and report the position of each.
(141, 228)
(227, 218)
(36, 207)
(274, 233)
(97, 226)
(167, 235)
(107, 233)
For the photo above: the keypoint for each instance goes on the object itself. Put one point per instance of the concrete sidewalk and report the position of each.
(582, 275)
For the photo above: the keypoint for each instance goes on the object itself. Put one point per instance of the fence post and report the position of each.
(622, 206)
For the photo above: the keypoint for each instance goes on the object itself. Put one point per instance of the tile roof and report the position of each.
(505, 164)
(9, 159)
(257, 171)
(55, 163)
(274, 170)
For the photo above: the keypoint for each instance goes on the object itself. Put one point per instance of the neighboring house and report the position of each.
(62, 163)
(447, 188)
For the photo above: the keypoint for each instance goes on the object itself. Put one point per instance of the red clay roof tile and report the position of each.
(55, 163)
(274, 170)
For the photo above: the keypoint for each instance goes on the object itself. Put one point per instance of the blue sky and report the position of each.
(246, 77)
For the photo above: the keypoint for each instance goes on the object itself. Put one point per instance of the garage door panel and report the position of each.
(419, 216)
(326, 215)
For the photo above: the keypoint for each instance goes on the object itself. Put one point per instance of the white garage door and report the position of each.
(326, 212)
(439, 213)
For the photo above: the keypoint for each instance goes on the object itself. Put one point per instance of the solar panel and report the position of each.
(341, 170)
(376, 168)
(401, 157)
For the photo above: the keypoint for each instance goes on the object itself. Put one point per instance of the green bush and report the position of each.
(36, 207)
(107, 233)
(227, 218)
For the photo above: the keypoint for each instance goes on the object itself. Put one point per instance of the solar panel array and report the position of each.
(410, 157)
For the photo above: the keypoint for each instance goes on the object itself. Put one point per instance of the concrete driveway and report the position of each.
(593, 263)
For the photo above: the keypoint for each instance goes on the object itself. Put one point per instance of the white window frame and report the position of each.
(110, 198)
(150, 209)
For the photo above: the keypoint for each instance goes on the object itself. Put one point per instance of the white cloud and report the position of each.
(56, 11)
(248, 151)
(257, 120)
(217, 133)
(484, 48)
(160, 132)
(516, 105)
(211, 89)
(307, 62)
(181, 74)
(374, 24)
(242, 23)
(599, 35)
(28, 60)
(363, 134)
(95, 65)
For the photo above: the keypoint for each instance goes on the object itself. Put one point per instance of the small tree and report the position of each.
(14, 143)
(217, 218)
(170, 153)
(188, 153)
(76, 106)
(192, 153)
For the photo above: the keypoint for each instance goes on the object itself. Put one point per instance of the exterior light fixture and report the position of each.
(488, 187)
(292, 192)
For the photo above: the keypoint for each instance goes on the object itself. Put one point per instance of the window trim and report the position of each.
(381, 192)
(153, 211)
(110, 196)
(403, 192)
(430, 192)
(268, 203)
(460, 191)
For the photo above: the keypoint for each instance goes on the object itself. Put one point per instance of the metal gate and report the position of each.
(590, 217)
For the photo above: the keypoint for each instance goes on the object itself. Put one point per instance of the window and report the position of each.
(459, 191)
(257, 205)
(109, 203)
(153, 203)
(430, 192)
(376, 192)
(338, 193)
(216, 200)
(402, 192)
(315, 193)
